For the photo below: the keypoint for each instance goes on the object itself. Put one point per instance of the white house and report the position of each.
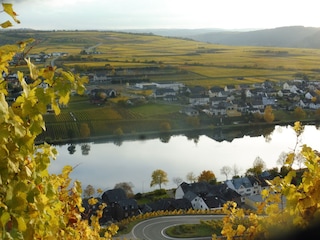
(175, 86)
(199, 100)
(100, 77)
(197, 202)
(291, 88)
(249, 186)
(204, 196)
(243, 186)
(308, 96)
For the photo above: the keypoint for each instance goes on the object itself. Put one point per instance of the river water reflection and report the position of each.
(106, 164)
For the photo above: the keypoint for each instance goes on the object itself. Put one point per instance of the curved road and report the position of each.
(154, 228)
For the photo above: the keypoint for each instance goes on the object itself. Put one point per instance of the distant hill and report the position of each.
(295, 36)
(175, 32)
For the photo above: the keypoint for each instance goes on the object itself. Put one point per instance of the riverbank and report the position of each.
(218, 133)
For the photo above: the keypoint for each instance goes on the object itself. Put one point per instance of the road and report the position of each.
(154, 228)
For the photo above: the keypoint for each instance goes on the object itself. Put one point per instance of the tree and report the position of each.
(191, 177)
(118, 132)
(226, 170)
(298, 159)
(72, 149)
(193, 121)
(282, 158)
(235, 171)
(89, 191)
(85, 149)
(177, 180)
(299, 113)
(207, 176)
(84, 130)
(165, 127)
(268, 114)
(127, 187)
(317, 114)
(159, 177)
(257, 116)
(258, 166)
(35, 204)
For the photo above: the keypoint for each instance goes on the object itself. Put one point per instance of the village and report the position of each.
(231, 100)
(245, 191)
(219, 101)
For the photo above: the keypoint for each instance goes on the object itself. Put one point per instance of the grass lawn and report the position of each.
(194, 230)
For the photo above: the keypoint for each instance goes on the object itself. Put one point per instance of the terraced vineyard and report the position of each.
(103, 113)
(129, 115)
(103, 120)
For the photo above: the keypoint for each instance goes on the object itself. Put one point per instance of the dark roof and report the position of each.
(167, 204)
(216, 89)
(114, 195)
(162, 204)
(128, 203)
(198, 90)
(204, 190)
(214, 201)
(229, 86)
(181, 204)
(197, 188)
(160, 91)
(189, 195)
(243, 181)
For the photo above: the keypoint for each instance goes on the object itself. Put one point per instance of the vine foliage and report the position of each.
(35, 204)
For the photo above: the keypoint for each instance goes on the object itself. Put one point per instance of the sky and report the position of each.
(151, 14)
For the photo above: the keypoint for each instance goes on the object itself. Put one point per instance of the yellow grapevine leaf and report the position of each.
(32, 68)
(5, 217)
(92, 201)
(6, 24)
(287, 179)
(23, 44)
(64, 99)
(240, 229)
(66, 170)
(3, 109)
(7, 7)
(48, 74)
(264, 193)
(21, 224)
(290, 159)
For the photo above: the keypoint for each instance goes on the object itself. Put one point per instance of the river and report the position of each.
(106, 163)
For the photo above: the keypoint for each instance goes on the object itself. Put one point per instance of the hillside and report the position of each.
(296, 36)
(293, 36)
(171, 59)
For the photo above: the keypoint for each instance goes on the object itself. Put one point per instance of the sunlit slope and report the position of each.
(205, 64)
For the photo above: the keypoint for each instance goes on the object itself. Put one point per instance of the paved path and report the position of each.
(154, 228)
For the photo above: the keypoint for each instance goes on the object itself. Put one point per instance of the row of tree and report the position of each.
(160, 177)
